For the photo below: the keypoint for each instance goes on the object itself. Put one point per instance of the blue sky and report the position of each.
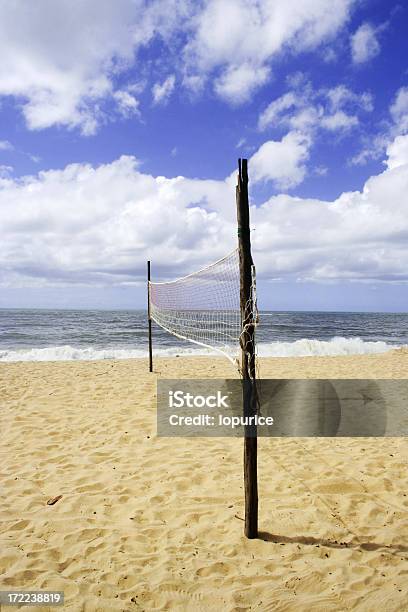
(120, 130)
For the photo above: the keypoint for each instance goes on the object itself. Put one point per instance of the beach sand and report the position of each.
(147, 523)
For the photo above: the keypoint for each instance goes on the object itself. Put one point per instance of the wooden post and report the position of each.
(149, 319)
(248, 352)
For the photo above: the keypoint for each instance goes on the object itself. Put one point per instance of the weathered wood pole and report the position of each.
(248, 352)
(149, 317)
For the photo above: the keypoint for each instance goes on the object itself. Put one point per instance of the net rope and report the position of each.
(204, 307)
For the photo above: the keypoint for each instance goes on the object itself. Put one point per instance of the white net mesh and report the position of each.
(203, 307)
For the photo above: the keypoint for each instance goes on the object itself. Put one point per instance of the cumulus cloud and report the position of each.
(341, 96)
(241, 38)
(281, 161)
(306, 109)
(397, 153)
(374, 145)
(162, 91)
(339, 121)
(62, 66)
(399, 109)
(237, 83)
(360, 236)
(364, 44)
(276, 110)
(127, 104)
(97, 226)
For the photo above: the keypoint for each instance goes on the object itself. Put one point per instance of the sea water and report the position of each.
(56, 335)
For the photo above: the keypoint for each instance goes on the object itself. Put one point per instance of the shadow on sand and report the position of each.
(310, 541)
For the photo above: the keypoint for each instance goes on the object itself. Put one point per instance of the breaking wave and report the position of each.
(298, 348)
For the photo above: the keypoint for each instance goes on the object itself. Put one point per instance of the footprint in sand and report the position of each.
(219, 568)
(339, 487)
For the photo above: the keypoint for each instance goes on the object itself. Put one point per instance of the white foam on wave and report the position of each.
(68, 353)
(335, 346)
(298, 348)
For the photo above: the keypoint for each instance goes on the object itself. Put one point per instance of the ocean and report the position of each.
(56, 335)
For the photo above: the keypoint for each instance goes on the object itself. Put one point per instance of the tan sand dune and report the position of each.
(147, 523)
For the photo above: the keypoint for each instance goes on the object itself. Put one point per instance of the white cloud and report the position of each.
(397, 152)
(339, 120)
(305, 109)
(364, 44)
(162, 91)
(62, 65)
(272, 115)
(97, 226)
(5, 171)
(374, 145)
(237, 83)
(341, 96)
(399, 110)
(234, 42)
(5, 145)
(373, 148)
(281, 161)
(359, 236)
(127, 103)
(241, 38)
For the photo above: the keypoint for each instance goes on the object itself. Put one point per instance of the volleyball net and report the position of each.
(204, 307)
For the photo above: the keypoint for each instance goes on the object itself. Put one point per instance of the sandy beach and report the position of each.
(147, 523)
